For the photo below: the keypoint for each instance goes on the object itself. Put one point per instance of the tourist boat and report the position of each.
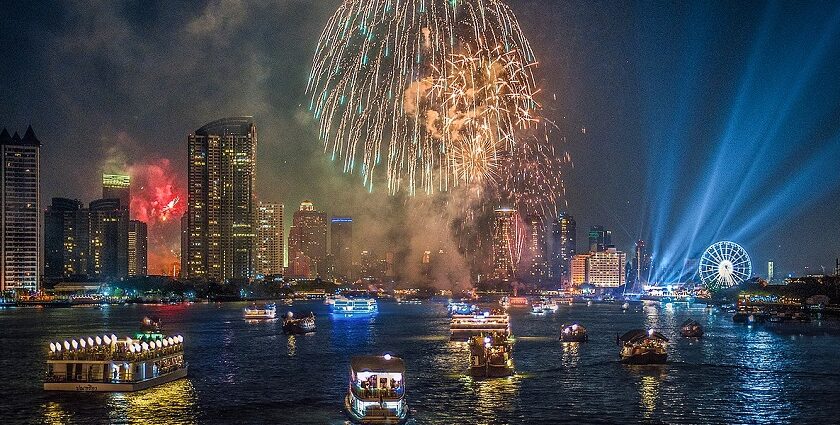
(462, 327)
(330, 299)
(490, 356)
(351, 307)
(574, 333)
(292, 326)
(550, 306)
(260, 312)
(151, 325)
(376, 394)
(462, 308)
(107, 363)
(537, 308)
(643, 347)
(691, 329)
(504, 302)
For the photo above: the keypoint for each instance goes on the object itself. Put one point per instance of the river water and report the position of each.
(244, 372)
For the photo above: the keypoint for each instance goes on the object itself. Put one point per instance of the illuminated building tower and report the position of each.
(599, 238)
(504, 244)
(185, 242)
(108, 240)
(770, 272)
(222, 208)
(341, 245)
(66, 232)
(20, 212)
(579, 270)
(138, 242)
(270, 247)
(606, 268)
(308, 237)
(641, 264)
(117, 186)
(368, 263)
(536, 248)
(563, 238)
(837, 266)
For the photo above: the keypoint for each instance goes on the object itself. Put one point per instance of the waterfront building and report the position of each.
(20, 212)
(579, 270)
(599, 238)
(117, 186)
(221, 209)
(341, 245)
(505, 243)
(185, 242)
(641, 265)
(308, 237)
(270, 249)
(770, 271)
(538, 263)
(138, 242)
(108, 239)
(564, 246)
(606, 268)
(66, 239)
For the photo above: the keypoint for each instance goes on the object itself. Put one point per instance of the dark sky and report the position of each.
(703, 120)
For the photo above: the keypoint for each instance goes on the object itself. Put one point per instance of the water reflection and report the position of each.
(54, 413)
(571, 353)
(649, 385)
(494, 397)
(291, 344)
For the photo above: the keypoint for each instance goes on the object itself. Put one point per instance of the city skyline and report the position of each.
(626, 200)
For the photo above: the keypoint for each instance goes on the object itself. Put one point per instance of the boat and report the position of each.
(643, 347)
(376, 394)
(260, 312)
(110, 364)
(537, 308)
(292, 326)
(490, 356)
(351, 307)
(329, 299)
(462, 327)
(574, 333)
(462, 308)
(550, 306)
(691, 329)
(151, 325)
(625, 306)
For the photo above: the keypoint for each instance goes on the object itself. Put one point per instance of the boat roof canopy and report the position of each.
(637, 334)
(377, 364)
(690, 322)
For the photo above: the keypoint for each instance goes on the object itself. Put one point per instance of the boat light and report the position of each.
(145, 346)
(98, 340)
(90, 342)
(650, 332)
(75, 344)
(575, 326)
(66, 345)
(52, 347)
(113, 338)
(171, 340)
(82, 342)
(387, 357)
(107, 339)
(180, 338)
(159, 343)
(137, 348)
(131, 348)
(488, 345)
(486, 314)
(165, 343)
(486, 339)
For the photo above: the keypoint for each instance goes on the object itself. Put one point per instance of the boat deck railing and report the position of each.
(378, 393)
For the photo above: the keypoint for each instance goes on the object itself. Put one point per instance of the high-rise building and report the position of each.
(308, 237)
(117, 186)
(185, 243)
(138, 242)
(606, 268)
(579, 269)
(538, 267)
(564, 246)
(341, 245)
(66, 234)
(505, 243)
(270, 239)
(599, 238)
(108, 239)
(641, 264)
(222, 208)
(20, 212)
(770, 271)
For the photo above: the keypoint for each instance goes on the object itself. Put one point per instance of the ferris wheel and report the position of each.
(724, 265)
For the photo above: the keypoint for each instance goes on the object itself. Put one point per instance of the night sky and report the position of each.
(687, 122)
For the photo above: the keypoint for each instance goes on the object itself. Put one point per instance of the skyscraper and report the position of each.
(308, 237)
(770, 267)
(108, 239)
(20, 212)
(599, 238)
(564, 245)
(505, 246)
(341, 245)
(66, 233)
(138, 242)
(270, 239)
(538, 267)
(117, 186)
(606, 268)
(221, 210)
(579, 269)
(641, 264)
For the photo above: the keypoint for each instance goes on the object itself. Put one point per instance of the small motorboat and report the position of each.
(574, 333)
(260, 312)
(691, 329)
(643, 347)
(537, 308)
(150, 325)
(292, 326)
(490, 356)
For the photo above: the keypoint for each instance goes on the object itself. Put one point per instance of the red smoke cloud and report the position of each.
(159, 199)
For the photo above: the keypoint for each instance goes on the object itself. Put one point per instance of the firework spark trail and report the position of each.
(439, 88)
